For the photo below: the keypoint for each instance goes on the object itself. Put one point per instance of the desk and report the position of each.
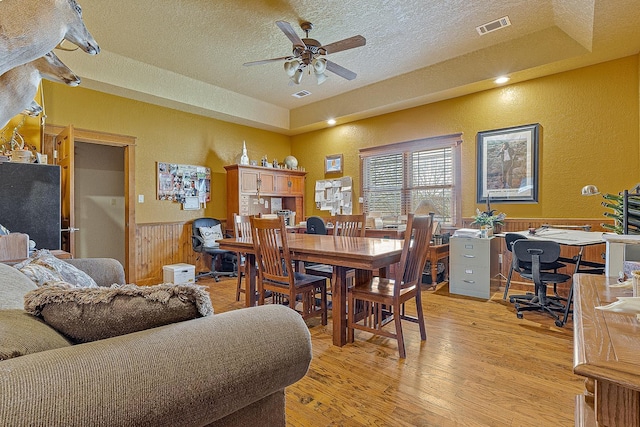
(606, 349)
(364, 254)
(569, 237)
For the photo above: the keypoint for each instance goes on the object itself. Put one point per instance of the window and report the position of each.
(417, 176)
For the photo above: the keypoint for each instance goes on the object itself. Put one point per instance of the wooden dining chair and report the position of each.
(380, 295)
(242, 228)
(344, 225)
(276, 274)
(349, 225)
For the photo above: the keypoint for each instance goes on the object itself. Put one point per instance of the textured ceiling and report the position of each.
(188, 54)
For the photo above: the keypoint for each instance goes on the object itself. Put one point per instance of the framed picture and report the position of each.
(333, 164)
(508, 165)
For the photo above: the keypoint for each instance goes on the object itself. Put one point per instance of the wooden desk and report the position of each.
(607, 352)
(364, 254)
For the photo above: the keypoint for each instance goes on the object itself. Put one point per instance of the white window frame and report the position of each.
(406, 149)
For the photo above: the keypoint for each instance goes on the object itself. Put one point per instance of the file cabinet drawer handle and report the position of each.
(468, 256)
(469, 281)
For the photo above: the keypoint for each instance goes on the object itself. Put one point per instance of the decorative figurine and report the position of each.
(244, 159)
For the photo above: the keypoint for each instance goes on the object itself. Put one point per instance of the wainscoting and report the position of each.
(162, 244)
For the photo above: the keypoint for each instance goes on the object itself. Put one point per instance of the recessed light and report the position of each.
(501, 79)
(331, 122)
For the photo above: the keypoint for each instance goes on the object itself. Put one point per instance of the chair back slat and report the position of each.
(414, 251)
(268, 236)
(350, 225)
(242, 225)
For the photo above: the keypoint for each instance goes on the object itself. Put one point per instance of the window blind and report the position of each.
(418, 175)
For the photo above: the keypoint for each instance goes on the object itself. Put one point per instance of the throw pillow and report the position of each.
(22, 333)
(58, 270)
(211, 235)
(89, 314)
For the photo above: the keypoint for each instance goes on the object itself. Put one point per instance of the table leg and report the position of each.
(339, 305)
(250, 280)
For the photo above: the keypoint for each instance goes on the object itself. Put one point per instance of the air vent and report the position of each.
(493, 25)
(301, 94)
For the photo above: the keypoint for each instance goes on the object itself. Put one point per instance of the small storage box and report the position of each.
(179, 273)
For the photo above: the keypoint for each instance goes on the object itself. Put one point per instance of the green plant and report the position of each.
(488, 218)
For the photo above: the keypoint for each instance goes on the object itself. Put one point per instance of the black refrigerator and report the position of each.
(30, 201)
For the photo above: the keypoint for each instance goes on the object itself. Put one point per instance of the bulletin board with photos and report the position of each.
(186, 184)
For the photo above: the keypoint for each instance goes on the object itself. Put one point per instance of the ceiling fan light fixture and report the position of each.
(290, 67)
(321, 78)
(297, 76)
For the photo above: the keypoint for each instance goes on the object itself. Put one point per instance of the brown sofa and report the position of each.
(229, 369)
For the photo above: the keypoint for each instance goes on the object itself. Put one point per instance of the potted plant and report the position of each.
(489, 219)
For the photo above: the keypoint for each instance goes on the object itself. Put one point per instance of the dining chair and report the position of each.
(382, 297)
(242, 228)
(538, 252)
(276, 274)
(349, 225)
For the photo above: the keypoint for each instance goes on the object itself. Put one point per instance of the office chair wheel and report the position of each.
(519, 315)
(559, 323)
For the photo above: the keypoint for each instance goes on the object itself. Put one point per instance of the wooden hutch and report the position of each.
(251, 190)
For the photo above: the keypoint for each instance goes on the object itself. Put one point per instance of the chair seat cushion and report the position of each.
(379, 286)
(549, 277)
(320, 269)
(301, 280)
(90, 314)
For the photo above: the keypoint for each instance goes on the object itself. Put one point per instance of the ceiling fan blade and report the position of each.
(266, 61)
(288, 31)
(350, 43)
(341, 71)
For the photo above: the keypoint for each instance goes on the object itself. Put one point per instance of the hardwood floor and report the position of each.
(480, 366)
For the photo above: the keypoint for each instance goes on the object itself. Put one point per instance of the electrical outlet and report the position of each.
(500, 258)
(140, 198)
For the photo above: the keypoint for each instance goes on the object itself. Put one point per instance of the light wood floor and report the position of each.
(480, 366)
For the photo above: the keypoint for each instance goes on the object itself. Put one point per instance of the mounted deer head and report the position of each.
(31, 28)
(19, 85)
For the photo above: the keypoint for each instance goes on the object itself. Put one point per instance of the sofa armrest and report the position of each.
(105, 271)
(188, 373)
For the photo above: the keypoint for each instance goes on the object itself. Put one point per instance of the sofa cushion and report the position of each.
(13, 286)
(89, 314)
(21, 333)
(43, 267)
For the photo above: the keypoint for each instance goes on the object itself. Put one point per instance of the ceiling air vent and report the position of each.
(493, 25)
(301, 94)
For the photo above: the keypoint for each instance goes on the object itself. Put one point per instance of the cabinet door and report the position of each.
(267, 182)
(282, 184)
(249, 181)
(297, 185)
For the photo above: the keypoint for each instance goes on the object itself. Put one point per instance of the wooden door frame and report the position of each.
(129, 145)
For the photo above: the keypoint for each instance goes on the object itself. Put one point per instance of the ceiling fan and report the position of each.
(310, 53)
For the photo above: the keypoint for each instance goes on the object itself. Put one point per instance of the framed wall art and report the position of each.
(508, 164)
(333, 164)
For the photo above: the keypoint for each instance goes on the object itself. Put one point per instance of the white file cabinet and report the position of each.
(473, 266)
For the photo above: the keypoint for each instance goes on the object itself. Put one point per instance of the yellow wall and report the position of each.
(164, 135)
(590, 122)
(589, 135)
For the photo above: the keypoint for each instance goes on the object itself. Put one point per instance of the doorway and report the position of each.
(103, 201)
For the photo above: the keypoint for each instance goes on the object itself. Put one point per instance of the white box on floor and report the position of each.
(179, 273)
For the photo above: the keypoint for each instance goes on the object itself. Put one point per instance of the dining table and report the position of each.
(365, 255)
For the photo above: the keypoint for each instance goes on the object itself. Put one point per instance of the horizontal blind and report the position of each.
(402, 177)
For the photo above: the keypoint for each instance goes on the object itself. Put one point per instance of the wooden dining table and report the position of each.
(364, 254)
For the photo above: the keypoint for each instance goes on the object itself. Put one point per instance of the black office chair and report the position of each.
(316, 225)
(206, 244)
(518, 266)
(537, 252)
